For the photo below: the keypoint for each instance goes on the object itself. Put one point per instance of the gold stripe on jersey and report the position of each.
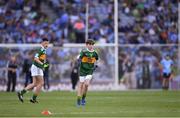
(88, 59)
(42, 57)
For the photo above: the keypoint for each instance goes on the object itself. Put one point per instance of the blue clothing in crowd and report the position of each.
(166, 64)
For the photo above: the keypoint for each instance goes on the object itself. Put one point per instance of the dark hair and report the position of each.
(45, 39)
(90, 41)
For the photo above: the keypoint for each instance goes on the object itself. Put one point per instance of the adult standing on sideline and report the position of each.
(11, 68)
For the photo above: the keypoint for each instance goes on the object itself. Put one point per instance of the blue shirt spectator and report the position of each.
(166, 65)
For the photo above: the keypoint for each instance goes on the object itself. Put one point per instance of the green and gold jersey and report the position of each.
(41, 55)
(88, 58)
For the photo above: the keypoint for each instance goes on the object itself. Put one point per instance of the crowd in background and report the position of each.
(139, 67)
(148, 21)
(61, 65)
(61, 21)
(135, 63)
(64, 21)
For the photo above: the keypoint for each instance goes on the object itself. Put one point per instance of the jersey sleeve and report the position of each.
(38, 53)
(81, 54)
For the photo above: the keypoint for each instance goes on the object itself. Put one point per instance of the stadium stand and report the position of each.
(148, 21)
(24, 21)
(63, 21)
(141, 21)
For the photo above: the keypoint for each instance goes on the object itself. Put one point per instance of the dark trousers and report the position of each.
(46, 81)
(28, 79)
(11, 82)
(80, 37)
(74, 80)
(146, 83)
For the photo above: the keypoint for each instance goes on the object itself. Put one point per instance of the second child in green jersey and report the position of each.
(87, 58)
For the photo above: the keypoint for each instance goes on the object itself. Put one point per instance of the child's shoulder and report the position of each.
(84, 50)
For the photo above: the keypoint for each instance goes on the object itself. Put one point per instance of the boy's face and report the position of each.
(45, 44)
(90, 46)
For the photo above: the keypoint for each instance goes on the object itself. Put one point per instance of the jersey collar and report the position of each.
(90, 50)
(43, 47)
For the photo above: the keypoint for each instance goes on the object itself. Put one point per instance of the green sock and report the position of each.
(34, 96)
(23, 91)
(78, 98)
(84, 96)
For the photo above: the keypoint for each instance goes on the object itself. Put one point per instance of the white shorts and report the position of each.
(35, 71)
(83, 78)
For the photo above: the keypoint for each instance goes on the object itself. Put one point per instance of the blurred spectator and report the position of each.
(74, 73)
(120, 67)
(166, 66)
(79, 27)
(149, 21)
(144, 21)
(46, 77)
(129, 75)
(11, 69)
(146, 75)
(152, 55)
(59, 72)
(27, 69)
(140, 22)
(27, 21)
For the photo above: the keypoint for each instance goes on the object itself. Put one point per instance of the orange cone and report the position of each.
(46, 112)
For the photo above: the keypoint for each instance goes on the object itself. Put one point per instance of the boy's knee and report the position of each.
(42, 83)
(86, 84)
(34, 84)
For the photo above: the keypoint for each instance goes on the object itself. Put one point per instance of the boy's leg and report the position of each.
(80, 89)
(40, 83)
(85, 88)
(29, 87)
(79, 93)
(32, 85)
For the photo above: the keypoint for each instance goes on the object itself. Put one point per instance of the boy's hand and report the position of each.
(45, 65)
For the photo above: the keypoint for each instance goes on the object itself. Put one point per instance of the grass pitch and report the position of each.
(99, 104)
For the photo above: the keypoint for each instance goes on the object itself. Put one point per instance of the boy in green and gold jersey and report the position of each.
(87, 58)
(39, 63)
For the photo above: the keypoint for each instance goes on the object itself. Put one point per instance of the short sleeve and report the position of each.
(81, 54)
(38, 53)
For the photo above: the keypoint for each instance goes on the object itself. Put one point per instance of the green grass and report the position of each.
(99, 104)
